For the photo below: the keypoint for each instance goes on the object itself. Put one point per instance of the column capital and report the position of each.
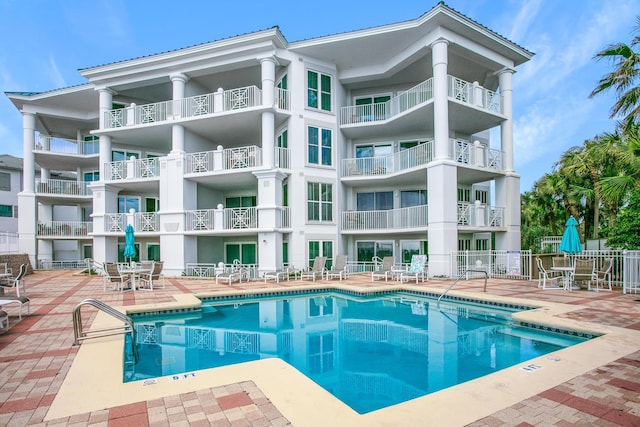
(439, 41)
(504, 70)
(270, 58)
(178, 77)
(106, 90)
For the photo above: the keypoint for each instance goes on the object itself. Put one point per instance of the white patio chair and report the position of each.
(548, 279)
(603, 277)
(338, 269)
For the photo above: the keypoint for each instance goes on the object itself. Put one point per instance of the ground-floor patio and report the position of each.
(36, 356)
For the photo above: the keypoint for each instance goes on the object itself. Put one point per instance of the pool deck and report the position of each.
(38, 363)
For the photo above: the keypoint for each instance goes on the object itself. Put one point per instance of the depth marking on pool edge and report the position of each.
(532, 367)
(184, 376)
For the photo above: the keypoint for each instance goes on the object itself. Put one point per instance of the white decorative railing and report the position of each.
(222, 219)
(383, 165)
(283, 158)
(132, 169)
(65, 228)
(223, 159)
(475, 154)
(479, 215)
(473, 93)
(67, 146)
(62, 187)
(282, 99)
(194, 106)
(394, 219)
(404, 101)
(235, 218)
(285, 217)
(206, 270)
(8, 242)
(497, 263)
(141, 221)
(47, 264)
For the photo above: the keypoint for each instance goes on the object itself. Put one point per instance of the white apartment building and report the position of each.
(371, 142)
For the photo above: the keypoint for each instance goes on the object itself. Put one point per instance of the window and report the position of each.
(281, 140)
(408, 248)
(153, 252)
(5, 181)
(320, 352)
(282, 84)
(285, 253)
(127, 202)
(366, 250)
(482, 244)
(409, 198)
(6, 211)
(319, 201)
(482, 196)
(240, 202)
(377, 109)
(91, 176)
(245, 252)
(319, 143)
(120, 155)
(318, 88)
(380, 201)
(320, 248)
(87, 251)
(121, 253)
(151, 204)
(376, 158)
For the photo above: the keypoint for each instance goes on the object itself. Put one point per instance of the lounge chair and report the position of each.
(339, 268)
(112, 275)
(548, 279)
(417, 269)
(316, 270)
(235, 273)
(280, 274)
(16, 282)
(21, 301)
(385, 270)
(603, 277)
(149, 279)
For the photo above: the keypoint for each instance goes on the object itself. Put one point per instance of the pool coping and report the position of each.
(304, 403)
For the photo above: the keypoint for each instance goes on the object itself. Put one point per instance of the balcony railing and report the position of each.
(396, 219)
(223, 159)
(142, 222)
(282, 99)
(230, 219)
(65, 228)
(132, 169)
(67, 146)
(473, 93)
(194, 106)
(62, 187)
(283, 158)
(476, 154)
(374, 166)
(404, 101)
(480, 215)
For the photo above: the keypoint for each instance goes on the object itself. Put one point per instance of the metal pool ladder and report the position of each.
(467, 271)
(81, 334)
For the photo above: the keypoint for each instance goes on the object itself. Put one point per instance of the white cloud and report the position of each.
(54, 74)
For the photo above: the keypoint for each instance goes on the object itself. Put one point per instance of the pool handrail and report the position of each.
(467, 271)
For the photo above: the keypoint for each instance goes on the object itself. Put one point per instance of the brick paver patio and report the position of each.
(36, 354)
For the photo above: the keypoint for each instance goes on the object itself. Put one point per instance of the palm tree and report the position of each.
(624, 78)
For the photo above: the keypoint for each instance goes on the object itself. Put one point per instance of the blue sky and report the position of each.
(45, 42)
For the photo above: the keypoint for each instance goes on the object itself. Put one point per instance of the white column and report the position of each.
(28, 144)
(106, 99)
(506, 128)
(442, 215)
(268, 67)
(269, 204)
(440, 99)
(105, 104)
(177, 131)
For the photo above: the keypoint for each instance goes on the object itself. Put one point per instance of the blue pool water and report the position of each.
(368, 351)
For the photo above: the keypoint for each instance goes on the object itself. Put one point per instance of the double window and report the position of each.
(5, 181)
(319, 146)
(318, 90)
(380, 201)
(322, 248)
(319, 201)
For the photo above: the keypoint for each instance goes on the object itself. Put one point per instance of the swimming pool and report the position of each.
(370, 351)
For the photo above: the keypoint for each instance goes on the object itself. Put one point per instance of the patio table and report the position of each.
(566, 277)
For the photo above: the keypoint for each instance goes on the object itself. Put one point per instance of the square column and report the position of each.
(442, 215)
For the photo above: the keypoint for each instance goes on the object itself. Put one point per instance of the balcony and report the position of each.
(479, 215)
(476, 155)
(67, 146)
(230, 219)
(61, 187)
(400, 219)
(132, 169)
(61, 229)
(473, 94)
(142, 222)
(385, 165)
(65, 154)
(192, 107)
(220, 160)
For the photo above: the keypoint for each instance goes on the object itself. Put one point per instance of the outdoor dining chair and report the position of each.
(547, 279)
(603, 277)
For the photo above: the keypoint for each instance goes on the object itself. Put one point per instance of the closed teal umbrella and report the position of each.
(129, 246)
(570, 243)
